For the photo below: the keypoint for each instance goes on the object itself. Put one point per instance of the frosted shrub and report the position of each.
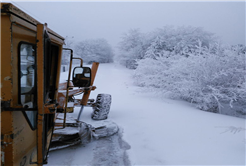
(206, 78)
(150, 72)
(186, 63)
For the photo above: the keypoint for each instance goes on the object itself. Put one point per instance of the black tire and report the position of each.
(102, 107)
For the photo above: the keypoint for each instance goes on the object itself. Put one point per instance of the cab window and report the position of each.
(27, 81)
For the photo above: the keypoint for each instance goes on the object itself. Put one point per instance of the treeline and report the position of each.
(187, 63)
(90, 50)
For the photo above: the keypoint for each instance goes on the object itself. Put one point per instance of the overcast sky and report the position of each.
(109, 20)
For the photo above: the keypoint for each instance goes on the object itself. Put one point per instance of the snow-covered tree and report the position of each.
(178, 41)
(95, 50)
(167, 41)
(131, 48)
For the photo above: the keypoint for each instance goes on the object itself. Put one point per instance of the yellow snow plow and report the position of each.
(33, 106)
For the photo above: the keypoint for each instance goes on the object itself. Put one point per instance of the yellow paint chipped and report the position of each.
(7, 78)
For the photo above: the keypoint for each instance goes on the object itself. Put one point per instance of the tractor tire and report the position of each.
(101, 107)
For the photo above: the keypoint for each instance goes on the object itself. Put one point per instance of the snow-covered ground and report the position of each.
(154, 131)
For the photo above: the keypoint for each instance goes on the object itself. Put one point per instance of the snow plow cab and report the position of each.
(34, 105)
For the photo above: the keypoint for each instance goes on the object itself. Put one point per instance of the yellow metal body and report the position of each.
(30, 67)
(93, 76)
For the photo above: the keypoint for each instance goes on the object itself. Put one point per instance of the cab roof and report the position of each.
(8, 8)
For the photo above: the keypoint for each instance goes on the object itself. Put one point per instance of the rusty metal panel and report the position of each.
(7, 138)
(6, 60)
(10, 8)
(6, 91)
(24, 139)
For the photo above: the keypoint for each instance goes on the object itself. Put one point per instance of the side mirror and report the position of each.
(81, 77)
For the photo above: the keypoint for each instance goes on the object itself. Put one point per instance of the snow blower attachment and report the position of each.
(69, 131)
(81, 133)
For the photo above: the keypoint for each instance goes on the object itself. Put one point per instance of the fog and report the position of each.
(109, 20)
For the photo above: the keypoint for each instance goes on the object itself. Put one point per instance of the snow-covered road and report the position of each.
(155, 131)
